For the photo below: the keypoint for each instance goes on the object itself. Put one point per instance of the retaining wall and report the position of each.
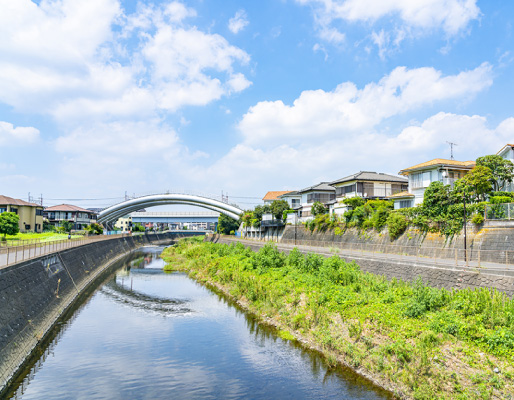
(409, 271)
(35, 293)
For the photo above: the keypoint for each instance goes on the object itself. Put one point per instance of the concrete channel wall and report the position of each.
(35, 293)
(394, 267)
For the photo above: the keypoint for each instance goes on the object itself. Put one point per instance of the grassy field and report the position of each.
(417, 341)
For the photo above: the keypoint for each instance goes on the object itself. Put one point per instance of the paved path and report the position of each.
(485, 267)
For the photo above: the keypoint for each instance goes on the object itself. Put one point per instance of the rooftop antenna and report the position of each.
(451, 149)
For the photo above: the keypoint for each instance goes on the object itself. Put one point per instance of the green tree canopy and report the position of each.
(436, 199)
(277, 208)
(318, 208)
(9, 223)
(502, 170)
(227, 224)
(476, 183)
(354, 202)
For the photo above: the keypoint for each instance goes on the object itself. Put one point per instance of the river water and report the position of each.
(146, 334)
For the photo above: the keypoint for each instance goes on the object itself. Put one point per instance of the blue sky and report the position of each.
(107, 96)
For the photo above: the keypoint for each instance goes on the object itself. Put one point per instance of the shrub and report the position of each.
(354, 202)
(396, 223)
(318, 208)
(477, 219)
(500, 199)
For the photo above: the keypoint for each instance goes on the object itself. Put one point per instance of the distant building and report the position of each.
(366, 184)
(422, 175)
(270, 197)
(124, 223)
(31, 214)
(80, 217)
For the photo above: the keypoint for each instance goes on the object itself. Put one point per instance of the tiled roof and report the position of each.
(274, 194)
(5, 200)
(371, 176)
(401, 194)
(68, 208)
(293, 193)
(320, 187)
(442, 162)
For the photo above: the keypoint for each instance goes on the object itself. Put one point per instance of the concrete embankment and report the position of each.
(35, 293)
(439, 273)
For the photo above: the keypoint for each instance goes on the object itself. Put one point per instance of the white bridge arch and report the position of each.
(116, 211)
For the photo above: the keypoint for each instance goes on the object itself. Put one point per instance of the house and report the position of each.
(422, 175)
(366, 184)
(124, 223)
(31, 214)
(270, 197)
(322, 192)
(80, 217)
(294, 199)
(507, 152)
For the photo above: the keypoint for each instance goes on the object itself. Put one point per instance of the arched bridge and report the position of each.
(116, 211)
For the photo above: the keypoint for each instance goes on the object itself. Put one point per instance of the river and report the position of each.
(146, 334)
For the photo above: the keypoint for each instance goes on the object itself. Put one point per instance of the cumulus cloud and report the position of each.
(78, 59)
(11, 136)
(319, 114)
(407, 17)
(238, 22)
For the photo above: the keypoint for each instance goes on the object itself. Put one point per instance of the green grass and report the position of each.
(425, 342)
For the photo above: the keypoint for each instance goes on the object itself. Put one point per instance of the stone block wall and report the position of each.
(35, 293)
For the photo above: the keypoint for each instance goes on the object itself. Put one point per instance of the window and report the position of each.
(405, 203)
(3, 209)
(39, 212)
(14, 210)
(417, 180)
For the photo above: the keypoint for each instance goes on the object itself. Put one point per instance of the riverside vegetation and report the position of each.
(419, 342)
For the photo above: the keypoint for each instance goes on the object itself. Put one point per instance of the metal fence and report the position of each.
(13, 254)
(13, 242)
(503, 211)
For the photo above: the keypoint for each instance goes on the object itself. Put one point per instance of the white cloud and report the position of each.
(78, 60)
(238, 22)
(290, 166)
(318, 114)
(11, 136)
(407, 17)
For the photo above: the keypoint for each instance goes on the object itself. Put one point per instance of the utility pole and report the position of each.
(451, 149)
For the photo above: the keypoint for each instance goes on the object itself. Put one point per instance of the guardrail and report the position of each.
(14, 254)
(14, 242)
(493, 260)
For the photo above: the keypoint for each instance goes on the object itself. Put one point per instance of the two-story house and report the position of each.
(422, 175)
(31, 214)
(366, 184)
(322, 192)
(80, 217)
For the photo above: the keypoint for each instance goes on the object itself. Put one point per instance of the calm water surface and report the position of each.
(145, 334)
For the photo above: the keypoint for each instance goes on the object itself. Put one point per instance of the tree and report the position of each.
(502, 170)
(354, 202)
(278, 207)
(9, 223)
(67, 226)
(436, 199)
(138, 228)
(318, 208)
(259, 210)
(477, 182)
(227, 224)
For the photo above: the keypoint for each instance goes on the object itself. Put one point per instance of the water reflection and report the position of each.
(122, 344)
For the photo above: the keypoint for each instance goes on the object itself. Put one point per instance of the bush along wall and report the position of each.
(417, 341)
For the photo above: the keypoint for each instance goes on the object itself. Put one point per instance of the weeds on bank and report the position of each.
(427, 342)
